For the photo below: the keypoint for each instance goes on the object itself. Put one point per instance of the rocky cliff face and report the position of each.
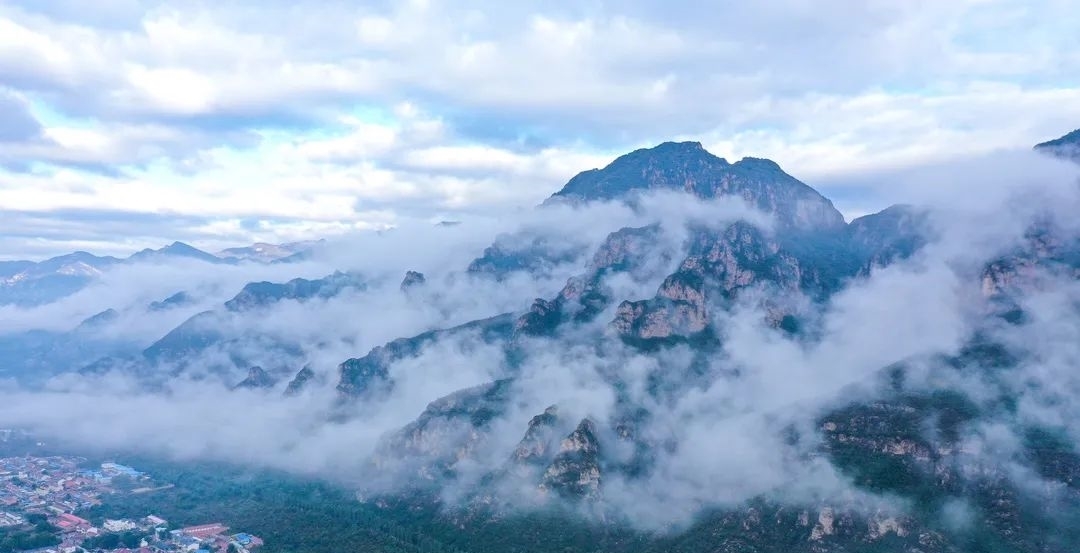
(575, 470)
(717, 269)
(446, 433)
(536, 446)
(412, 280)
(631, 251)
(914, 447)
(812, 252)
(891, 235)
(1043, 252)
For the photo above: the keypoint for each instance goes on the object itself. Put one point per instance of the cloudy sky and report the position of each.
(129, 123)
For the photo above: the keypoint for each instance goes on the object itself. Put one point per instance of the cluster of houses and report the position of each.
(213, 538)
(155, 537)
(57, 487)
(49, 485)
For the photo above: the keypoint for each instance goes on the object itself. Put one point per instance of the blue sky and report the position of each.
(127, 123)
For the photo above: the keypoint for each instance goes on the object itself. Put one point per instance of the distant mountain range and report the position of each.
(28, 283)
(267, 253)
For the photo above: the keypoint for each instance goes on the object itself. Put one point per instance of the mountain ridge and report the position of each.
(1066, 146)
(30, 283)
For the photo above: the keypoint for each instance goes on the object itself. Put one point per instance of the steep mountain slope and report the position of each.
(217, 334)
(890, 235)
(35, 356)
(812, 253)
(910, 442)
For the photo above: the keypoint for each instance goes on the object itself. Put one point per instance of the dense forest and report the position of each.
(296, 515)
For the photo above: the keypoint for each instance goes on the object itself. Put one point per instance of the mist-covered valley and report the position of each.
(673, 343)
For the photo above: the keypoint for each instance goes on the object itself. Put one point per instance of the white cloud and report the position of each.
(180, 91)
(723, 442)
(479, 104)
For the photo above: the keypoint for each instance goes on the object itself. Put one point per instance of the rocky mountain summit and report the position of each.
(813, 252)
(909, 443)
(688, 167)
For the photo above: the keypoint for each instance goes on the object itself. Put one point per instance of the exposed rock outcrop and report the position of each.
(257, 378)
(299, 382)
(575, 470)
(445, 433)
(535, 446)
(412, 280)
(718, 267)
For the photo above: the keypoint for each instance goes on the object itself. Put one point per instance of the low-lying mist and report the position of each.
(723, 436)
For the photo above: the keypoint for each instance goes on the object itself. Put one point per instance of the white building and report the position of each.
(119, 525)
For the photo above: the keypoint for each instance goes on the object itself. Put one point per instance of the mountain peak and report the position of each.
(689, 167)
(662, 166)
(687, 147)
(176, 249)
